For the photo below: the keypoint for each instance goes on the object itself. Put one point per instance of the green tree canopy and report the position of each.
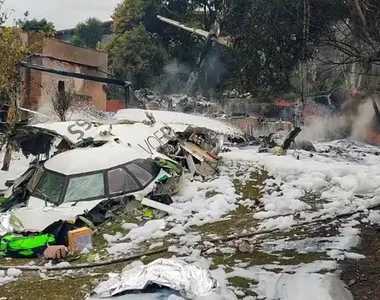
(271, 38)
(170, 43)
(137, 55)
(89, 33)
(40, 26)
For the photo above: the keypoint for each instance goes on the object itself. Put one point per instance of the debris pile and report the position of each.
(67, 191)
(277, 143)
(177, 102)
(235, 94)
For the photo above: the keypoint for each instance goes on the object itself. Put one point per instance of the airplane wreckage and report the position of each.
(83, 171)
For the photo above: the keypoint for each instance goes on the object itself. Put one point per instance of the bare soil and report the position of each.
(363, 276)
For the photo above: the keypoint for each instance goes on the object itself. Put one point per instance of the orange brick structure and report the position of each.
(40, 87)
(115, 105)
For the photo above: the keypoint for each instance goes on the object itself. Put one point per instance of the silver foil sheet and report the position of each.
(177, 275)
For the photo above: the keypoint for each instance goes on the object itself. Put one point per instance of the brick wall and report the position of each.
(38, 88)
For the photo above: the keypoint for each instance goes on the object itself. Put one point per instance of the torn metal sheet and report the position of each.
(36, 216)
(179, 122)
(177, 275)
(160, 140)
(148, 138)
(207, 163)
(198, 152)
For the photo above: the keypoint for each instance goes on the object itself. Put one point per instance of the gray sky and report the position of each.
(63, 13)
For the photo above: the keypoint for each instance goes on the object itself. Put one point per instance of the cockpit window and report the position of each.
(142, 175)
(120, 181)
(85, 187)
(125, 179)
(50, 187)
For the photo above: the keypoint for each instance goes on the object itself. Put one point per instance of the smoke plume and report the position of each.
(353, 122)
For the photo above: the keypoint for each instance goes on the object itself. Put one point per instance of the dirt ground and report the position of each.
(363, 276)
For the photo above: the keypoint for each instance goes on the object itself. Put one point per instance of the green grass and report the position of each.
(240, 282)
(32, 286)
(299, 258)
(253, 259)
(241, 218)
(250, 189)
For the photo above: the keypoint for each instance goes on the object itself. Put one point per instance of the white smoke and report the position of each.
(352, 124)
(362, 120)
(320, 129)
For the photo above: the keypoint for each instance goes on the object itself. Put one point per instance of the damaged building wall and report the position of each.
(38, 87)
(250, 106)
(254, 127)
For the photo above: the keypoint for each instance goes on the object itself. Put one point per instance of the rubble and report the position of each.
(185, 103)
(279, 142)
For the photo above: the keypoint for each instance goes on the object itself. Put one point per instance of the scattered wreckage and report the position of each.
(84, 171)
(277, 143)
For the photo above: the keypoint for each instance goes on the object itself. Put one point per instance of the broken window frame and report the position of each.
(148, 165)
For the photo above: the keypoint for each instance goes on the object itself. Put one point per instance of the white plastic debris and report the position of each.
(5, 225)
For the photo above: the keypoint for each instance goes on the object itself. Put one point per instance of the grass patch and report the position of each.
(19, 261)
(253, 259)
(210, 194)
(31, 286)
(295, 233)
(250, 189)
(298, 258)
(313, 199)
(241, 218)
(240, 282)
(151, 258)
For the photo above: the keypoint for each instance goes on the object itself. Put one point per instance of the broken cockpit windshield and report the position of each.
(50, 187)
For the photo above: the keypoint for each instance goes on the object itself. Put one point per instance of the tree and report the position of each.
(355, 40)
(138, 56)
(12, 51)
(39, 26)
(272, 37)
(89, 33)
(62, 102)
(172, 44)
(75, 40)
